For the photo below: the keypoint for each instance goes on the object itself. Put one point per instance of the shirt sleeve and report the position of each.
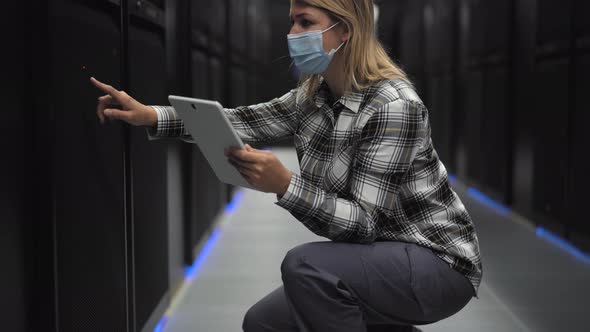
(387, 146)
(168, 125)
(265, 122)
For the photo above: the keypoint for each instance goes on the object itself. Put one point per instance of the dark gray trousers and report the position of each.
(345, 287)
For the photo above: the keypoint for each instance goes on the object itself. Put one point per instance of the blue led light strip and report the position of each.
(191, 271)
(563, 244)
(485, 200)
(236, 200)
(161, 324)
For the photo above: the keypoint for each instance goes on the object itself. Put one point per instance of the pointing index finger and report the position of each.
(105, 88)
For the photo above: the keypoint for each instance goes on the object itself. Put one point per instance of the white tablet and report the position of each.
(210, 128)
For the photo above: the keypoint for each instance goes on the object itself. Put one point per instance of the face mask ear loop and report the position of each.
(335, 24)
(339, 47)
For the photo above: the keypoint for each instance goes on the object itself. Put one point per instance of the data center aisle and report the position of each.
(529, 283)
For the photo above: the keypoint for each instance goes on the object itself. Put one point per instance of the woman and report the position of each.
(404, 250)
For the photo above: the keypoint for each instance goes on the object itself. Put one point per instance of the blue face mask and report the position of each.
(307, 51)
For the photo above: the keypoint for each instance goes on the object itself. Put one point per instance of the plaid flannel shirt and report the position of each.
(371, 174)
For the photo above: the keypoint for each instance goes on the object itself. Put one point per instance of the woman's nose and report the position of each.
(294, 30)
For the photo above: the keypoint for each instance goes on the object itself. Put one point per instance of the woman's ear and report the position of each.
(345, 33)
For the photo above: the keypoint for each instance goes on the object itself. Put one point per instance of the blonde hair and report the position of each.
(365, 59)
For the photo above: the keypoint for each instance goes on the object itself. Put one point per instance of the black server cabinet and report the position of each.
(496, 124)
(552, 82)
(579, 140)
(551, 143)
(473, 105)
(440, 79)
(108, 276)
(472, 77)
(484, 130)
(257, 27)
(217, 25)
(240, 85)
(16, 242)
(523, 56)
(90, 241)
(277, 62)
(206, 194)
(411, 55)
(496, 133)
(238, 28)
(201, 201)
(149, 163)
(579, 180)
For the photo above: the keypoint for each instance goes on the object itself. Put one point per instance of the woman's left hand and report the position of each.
(262, 169)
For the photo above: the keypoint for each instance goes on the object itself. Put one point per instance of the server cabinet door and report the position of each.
(412, 43)
(579, 180)
(476, 24)
(550, 147)
(200, 16)
(15, 202)
(197, 198)
(200, 75)
(277, 63)
(239, 87)
(88, 171)
(440, 115)
(217, 27)
(582, 23)
(554, 19)
(498, 21)
(523, 57)
(496, 133)
(472, 124)
(149, 163)
(439, 32)
(217, 80)
(238, 25)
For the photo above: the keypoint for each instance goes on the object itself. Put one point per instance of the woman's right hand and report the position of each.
(119, 105)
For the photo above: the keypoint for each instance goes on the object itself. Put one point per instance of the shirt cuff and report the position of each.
(156, 132)
(299, 195)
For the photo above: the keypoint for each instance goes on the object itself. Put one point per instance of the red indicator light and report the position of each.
(83, 67)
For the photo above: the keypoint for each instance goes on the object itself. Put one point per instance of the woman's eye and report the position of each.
(305, 23)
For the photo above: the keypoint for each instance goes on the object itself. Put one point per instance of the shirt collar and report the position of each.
(351, 100)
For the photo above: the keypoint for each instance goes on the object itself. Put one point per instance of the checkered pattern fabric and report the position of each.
(369, 174)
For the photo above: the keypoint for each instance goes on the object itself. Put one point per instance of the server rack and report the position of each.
(552, 65)
(578, 181)
(16, 201)
(412, 45)
(89, 258)
(440, 49)
(206, 53)
(147, 73)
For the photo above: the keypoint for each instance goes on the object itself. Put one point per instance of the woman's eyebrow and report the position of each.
(299, 15)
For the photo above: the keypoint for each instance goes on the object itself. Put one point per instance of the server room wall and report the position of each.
(503, 82)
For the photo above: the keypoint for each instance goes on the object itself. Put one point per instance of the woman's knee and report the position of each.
(290, 267)
(253, 319)
(270, 314)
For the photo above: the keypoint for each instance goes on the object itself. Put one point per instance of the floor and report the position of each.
(529, 283)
